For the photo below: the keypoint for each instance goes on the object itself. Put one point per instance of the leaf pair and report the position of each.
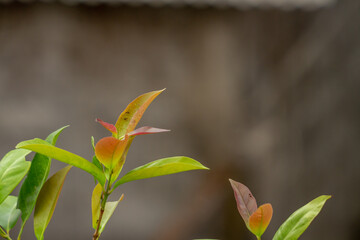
(96, 208)
(257, 219)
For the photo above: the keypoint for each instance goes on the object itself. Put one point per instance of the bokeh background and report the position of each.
(265, 92)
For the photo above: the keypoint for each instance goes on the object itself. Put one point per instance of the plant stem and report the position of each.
(104, 197)
(4, 234)
(258, 238)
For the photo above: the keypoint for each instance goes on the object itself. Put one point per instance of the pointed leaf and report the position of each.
(161, 167)
(95, 204)
(47, 200)
(147, 130)
(13, 168)
(260, 219)
(110, 127)
(300, 220)
(38, 173)
(8, 213)
(109, 150)
(130, 117)
(43, 147)
(109, 210)
(245, 201)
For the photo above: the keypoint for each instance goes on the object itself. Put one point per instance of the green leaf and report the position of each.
(109, 210)
(43, 147)
(13, 168)
(95, 204)
(300, 220)
(47, 200)
(96, 162)
(130, 117)
(8, 213)
(161, 167)
(38, 173)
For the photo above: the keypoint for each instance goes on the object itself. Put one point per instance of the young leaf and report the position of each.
(147, 130)
(43, 147)
(110, 127)
(160, 167)
(260, 219)
(245, 201)
(109, 150)
(47, 200)
(118, 167)
(300, 220)
(38, 173)
(95, 204)
(8, 213)
(13, 168)
(130, 117)
(109, 210)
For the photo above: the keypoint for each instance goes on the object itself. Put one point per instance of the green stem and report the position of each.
(104, 196)
(258, 238)
(4, 234)
(20, 232)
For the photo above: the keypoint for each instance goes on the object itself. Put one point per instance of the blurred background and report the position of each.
(265, 92)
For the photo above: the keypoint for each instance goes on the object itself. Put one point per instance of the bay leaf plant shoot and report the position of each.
(39, 193)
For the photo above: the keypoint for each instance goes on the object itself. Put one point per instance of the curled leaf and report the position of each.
(108, 126)
(245, 201)
(147, 130)
(260, 219)
(109, 150)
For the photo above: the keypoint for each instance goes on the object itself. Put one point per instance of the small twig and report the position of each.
(4, 234)
(104, 196)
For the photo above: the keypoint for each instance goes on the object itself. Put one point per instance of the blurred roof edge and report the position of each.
(219, 4)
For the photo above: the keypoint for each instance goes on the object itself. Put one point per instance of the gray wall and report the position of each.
(266, 97)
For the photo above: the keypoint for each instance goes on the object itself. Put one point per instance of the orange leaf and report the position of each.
(109, 150)
(260, 219)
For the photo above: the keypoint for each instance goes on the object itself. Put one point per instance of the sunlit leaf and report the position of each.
(47, 200)
(13, 169)
(109, 210)
(260, 219)
(95, 204)
(110, 127)
(161, 167)
(147, 130)
(118, 167)
(8, 213)
(38, 173)
(245, 201)
(130, 117)
(300, 220)
(109, 150)
(43, 147)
